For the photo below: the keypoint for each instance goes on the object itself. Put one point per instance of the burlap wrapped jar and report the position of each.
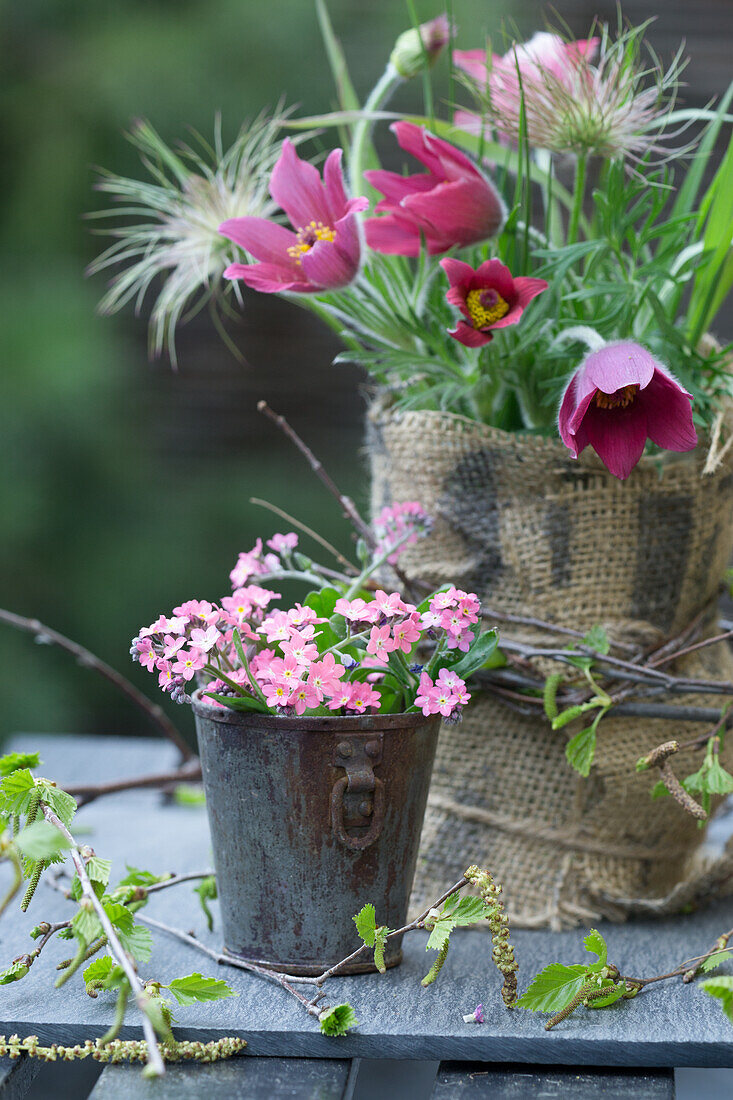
(537, 533)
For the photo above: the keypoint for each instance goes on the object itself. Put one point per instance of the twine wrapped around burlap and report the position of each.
(536, 533)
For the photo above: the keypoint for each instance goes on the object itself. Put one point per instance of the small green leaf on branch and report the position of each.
(366, 924)
(195, 987)
(722, 989)
(41, 841)
(336, 1021)
(13, 761)
(207, 892)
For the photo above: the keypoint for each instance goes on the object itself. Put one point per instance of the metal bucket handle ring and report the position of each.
(356, 843)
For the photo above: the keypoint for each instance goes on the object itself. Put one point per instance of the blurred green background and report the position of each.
(124, 485)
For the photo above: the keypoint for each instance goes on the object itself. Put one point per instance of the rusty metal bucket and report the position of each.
(310, 819)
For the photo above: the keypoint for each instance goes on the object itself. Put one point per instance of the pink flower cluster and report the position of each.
(442, 696)
(399, 525)
(295, 660)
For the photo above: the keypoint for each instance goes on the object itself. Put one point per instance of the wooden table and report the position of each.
(286, 1054)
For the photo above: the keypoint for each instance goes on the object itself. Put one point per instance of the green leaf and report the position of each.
(617, 992)
(469, 910)
(553, 988)
(104, 973)
(207, 892)
(189, 794)
(13, 973)
(238, 702)
(86, 926)
(138, 942)
(721, 988)
(98, 869)
(595, 943)
(481, 650)
(16, 789)
(63, 805)
(440, 934)
(597, 639)
(41, 841)
(136, 877)
(338, 1020)
(659, 790)
(13, 761)
(719, 780)
(195, 987)
(119, 915)
(322, 601)
(716, 960)
(581, 749)
(366, 924)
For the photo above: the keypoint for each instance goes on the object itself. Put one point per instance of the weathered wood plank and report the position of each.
(236, 1079)
(671, 1024)
(476, 1081)
(17, 1076)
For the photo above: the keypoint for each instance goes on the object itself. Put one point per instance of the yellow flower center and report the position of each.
(308, 236)
(485, 306)
(617, 400)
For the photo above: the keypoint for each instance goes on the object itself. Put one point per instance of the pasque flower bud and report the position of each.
(420, 46)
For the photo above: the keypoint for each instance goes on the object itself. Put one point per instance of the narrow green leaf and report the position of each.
(347, 97)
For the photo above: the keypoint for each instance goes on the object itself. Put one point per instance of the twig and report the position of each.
(310, 532)
(348, 507)
(155, 1060)
(665, 658)
(85, 657)
(283, 980)
(491, 613)
(175, 880)
(87, 792)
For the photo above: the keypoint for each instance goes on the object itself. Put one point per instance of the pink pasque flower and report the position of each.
(357, 611)
(325, 249)
(380, 643)
(488, 297)
(544, 56)
(406, 633)
(453, 205)
(617, 398)
(280, 543)
(362, 697)
(188, 663)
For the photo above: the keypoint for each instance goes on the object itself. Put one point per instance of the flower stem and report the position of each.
(581, 167)
(380, 93)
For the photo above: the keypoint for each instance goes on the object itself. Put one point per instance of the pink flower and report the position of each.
(545, 57)
(172, 644)
(423, 698)
(406, 633)
(620, 396)
(357, 611)
(453, 205)
(299, 647)
(162, 624)
(380, 643)
(285, 671)
(324, 676)
(298, 616)
(489, 297)
(391, 605)
(276, 627)
(341, 699)
(166, 678)
(205, 639)
(398, 526)
(361, 697)
(188, 663)
(148, 656)
(280, 543)
(198, 609)
(248, 565)
(325, 249)
(276, 693)
(302, 697)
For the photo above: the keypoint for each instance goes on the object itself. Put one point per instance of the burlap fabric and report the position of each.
(537, 533)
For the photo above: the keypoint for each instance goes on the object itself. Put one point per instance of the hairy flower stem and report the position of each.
(587, 992)
(38, 869)
(503, 952)
(581, 167)
(379, 95)
(130, 1050)
(437, 966)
